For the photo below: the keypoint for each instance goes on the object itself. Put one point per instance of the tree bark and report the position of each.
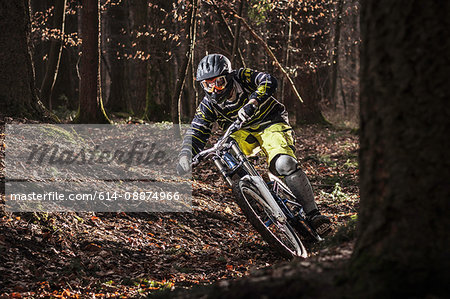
(402, 246)
(181, 79)
(224, 22)
(117, 20)
(195, 102)
(54, 56)
(309, 112)
(286, 61)
(91, 106)
(272, 56)
(138, 69)
(40, 47)
(335, 52)
(17, 84)
(237, 31)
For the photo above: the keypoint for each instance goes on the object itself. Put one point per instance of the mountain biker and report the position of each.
(247, 94)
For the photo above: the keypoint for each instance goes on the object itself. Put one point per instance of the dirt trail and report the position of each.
(74, 255)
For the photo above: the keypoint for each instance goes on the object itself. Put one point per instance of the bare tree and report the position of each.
(181, 79)
(91, 105)
(237, 31)
(138, 68)
(54, 56)
(117, 24)
(335, 51)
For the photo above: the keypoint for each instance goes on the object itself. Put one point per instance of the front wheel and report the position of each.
(281, 236)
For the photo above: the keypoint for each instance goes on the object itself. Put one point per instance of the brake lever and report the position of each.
(236, 126)
(195, 161)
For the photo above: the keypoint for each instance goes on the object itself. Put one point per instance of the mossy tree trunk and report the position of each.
(17, 84)
(402, 245)
(91, 106)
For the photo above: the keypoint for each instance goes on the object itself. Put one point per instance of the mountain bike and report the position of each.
(270, 206)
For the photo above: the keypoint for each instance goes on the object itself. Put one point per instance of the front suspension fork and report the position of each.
(269, 201)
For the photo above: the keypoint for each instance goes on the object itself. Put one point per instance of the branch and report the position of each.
(227, 26)
(237, 31)
(266, 47)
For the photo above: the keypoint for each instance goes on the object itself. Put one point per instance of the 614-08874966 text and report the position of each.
(96, 195)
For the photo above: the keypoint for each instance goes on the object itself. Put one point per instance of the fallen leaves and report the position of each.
(68, 255)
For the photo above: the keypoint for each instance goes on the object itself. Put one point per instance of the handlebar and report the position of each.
(231, 129)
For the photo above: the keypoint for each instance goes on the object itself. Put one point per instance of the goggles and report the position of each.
(218, 83)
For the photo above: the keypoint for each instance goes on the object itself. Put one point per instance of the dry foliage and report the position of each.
(72, 255)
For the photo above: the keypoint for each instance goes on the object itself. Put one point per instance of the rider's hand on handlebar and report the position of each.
(184, 165)
(246, 112)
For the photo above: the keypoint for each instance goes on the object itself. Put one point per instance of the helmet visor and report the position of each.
(218, 83)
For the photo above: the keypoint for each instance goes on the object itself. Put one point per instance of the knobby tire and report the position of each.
(249, 208)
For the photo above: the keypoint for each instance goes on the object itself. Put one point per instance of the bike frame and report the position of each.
(228, 166)
(229, 159)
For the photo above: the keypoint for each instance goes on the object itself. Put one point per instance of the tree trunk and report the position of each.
(309, 111)
(40, 47)
(402, 246)
(138, 68)
(286, 60)
(228, 31)
(17, 91)
(195, 102)
(117, 20)
(272, 56)
(54, 56)
(237, 31)
(335, 52)
(91, 106)
(181, 79)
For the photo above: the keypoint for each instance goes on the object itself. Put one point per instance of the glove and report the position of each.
(246, 112)
(184, 165)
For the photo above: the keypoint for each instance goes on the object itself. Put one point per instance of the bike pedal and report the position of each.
(324, 229)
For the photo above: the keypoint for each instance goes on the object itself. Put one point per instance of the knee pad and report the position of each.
(285, 165)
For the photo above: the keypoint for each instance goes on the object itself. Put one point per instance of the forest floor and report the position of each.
(78, 255)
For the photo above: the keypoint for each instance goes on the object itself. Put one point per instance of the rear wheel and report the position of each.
(281, 236)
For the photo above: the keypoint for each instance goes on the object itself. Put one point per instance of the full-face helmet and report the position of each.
(215, 76)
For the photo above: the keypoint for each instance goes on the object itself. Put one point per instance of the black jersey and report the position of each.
(249, 84)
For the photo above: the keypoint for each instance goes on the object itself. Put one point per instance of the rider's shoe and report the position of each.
(321, 223)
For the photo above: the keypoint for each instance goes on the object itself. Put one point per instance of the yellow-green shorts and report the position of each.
(274, 140)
